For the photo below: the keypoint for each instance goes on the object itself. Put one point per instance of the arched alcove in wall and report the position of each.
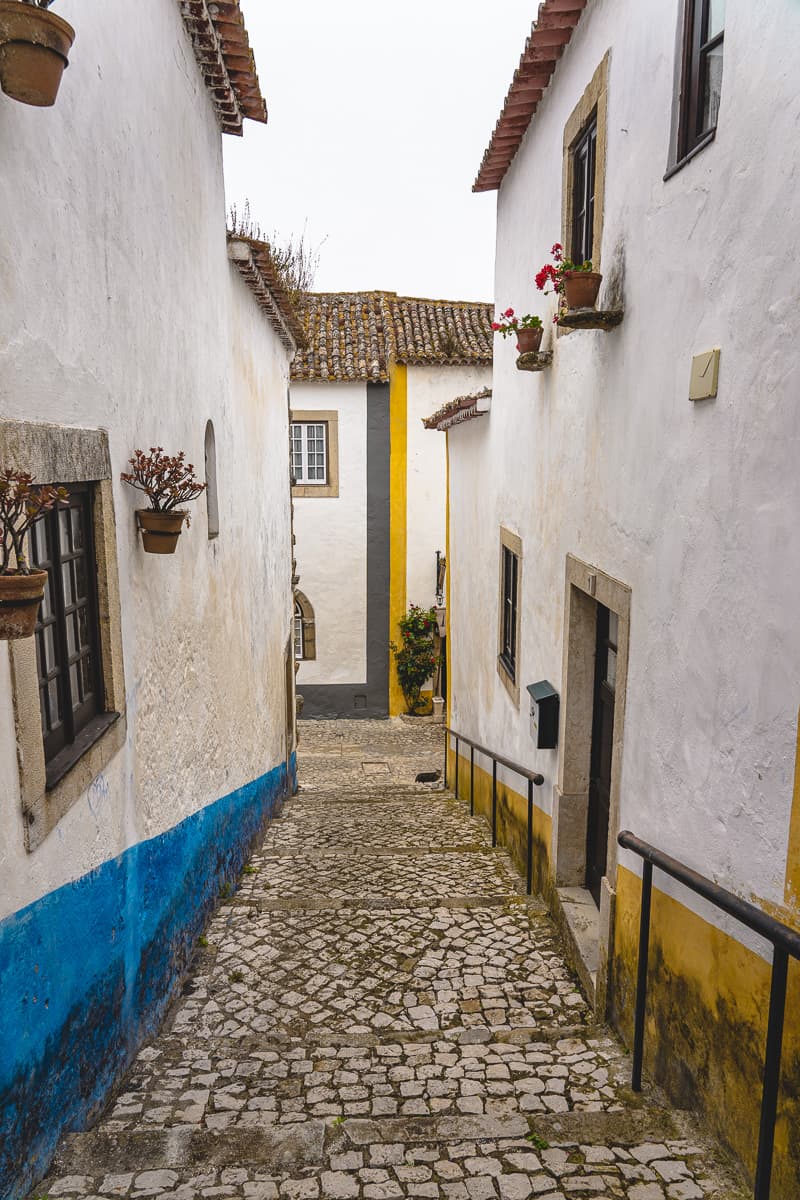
(305, 633)
(212, 499)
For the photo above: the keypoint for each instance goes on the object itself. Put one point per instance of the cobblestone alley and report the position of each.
(378, 1011)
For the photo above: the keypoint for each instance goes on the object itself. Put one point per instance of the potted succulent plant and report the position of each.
(21, 589)
(168, 482)
(34, 51)
(528, 330)
(576, 284)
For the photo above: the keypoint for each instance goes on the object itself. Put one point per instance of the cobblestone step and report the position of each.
(461, 1159)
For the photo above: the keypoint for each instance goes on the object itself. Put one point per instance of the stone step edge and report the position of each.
(485, 1035)
(386, 903)
(381, 850)
(301, 1145)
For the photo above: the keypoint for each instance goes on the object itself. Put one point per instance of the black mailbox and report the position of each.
(544, 714)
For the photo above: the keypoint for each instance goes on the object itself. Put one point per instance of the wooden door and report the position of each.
(605, 677)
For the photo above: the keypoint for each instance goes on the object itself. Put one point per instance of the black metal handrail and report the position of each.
(533, 777)
(785, 943)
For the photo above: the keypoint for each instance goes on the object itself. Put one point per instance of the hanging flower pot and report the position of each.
(168, 482)
(34, 52)
(160, 531)
(20, 597)
(581, 288)
(529, 340)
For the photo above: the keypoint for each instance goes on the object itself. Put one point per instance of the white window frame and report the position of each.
(314, 432)
(299, 633)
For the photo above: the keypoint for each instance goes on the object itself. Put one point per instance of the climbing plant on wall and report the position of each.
(416, 656)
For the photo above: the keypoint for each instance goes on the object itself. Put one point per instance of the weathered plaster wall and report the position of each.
(121, 311)
(331, 546)
(693, 506)
(428, 389)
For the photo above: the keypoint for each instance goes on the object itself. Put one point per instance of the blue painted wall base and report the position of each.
(87, 972)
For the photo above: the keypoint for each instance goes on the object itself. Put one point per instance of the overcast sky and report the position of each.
(379, 115)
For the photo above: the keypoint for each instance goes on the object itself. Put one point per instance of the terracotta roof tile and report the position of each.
(549, 38)
(355, 335)
(222, 49)
(464, 408)
(253, 260)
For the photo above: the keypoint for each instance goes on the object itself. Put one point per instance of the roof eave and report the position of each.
(549, 37)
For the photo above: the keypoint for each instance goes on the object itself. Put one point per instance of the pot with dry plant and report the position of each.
(21, 588)
(169, 482)
(34, 51)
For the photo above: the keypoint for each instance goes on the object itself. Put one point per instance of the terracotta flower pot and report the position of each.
(160, 531)
(529, 340)
(581, 288)
(20, 597)
(34, 52)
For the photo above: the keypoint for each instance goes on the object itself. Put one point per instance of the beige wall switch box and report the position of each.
(704, 377)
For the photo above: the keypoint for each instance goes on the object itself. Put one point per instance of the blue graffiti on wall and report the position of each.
(87, 971)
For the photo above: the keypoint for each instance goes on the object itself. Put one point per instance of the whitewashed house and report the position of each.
(128, 320)
(369, 484)
(624, 521)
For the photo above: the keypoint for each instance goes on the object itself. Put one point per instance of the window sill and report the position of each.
(687, 158)
(506, 666)
(318, 490)
(67, 758)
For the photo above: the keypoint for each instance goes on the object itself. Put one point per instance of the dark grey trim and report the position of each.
(330, 700)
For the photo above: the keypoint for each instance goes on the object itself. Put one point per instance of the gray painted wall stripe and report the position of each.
(326, 700)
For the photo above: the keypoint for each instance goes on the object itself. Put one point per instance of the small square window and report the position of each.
(310, 453)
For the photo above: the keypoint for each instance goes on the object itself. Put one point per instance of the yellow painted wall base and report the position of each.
(708, 998)
(398, 517)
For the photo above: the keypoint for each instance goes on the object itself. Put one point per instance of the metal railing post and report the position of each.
(772, 1072)
(456, 766)
(446, 750)
(472, 781)
(494, 801)
(641, 976)
(530, 836)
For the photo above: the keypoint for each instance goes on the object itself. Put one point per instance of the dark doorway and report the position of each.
(605, 678)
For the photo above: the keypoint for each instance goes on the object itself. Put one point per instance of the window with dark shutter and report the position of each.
(701, 87)
(67, 634)
(584, 160)
(508, 649)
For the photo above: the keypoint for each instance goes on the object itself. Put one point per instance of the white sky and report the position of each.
(379, 115)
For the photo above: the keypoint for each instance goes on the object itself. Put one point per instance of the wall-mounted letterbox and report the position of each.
(544, 714)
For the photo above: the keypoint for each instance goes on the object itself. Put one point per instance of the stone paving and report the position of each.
(379, 1011)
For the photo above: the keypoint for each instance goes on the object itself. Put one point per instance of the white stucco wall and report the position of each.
(121, 311)
(428, 389)
(331, 546)
(694, 506)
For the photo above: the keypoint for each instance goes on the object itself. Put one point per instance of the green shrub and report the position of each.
(415, 658)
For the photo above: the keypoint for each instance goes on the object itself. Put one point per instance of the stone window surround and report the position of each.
(585, 588)
(60, 454)
(510, 541)
(594, 100)
(309, 627)
(330, 419)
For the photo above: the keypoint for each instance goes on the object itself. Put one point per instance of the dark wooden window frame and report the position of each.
(82, 722)
(510, 601)
(696, 49)
(584, 177)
